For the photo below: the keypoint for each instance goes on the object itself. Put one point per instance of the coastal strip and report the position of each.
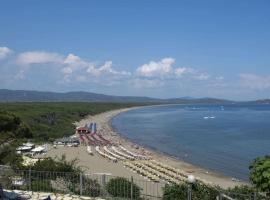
(97, 164)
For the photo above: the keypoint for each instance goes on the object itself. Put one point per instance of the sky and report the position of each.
(156, 48)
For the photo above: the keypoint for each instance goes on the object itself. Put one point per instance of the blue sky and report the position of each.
(147, 48)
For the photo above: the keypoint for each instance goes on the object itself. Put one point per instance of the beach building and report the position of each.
(69, 141)
(81, 130)
(25, 148)
(38, 150)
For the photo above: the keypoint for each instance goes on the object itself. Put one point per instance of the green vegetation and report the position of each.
(12, 129)
(199, 192)
(41, 122)
(11, 126)
(207, 192)
(243, 192)
(8, 155)
(260, 174)
(52, 175)
(48, 121)
(121, 187)
(56, 165)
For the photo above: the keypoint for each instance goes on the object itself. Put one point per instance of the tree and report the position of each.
(11, 123)
(8, 121)
(175, 192)
(56, 165)
(23, 131)
(260, 173)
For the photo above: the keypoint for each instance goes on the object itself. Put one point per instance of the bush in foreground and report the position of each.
(199, 192)
(260, 173)
(121, 187)
(90, 187)
(56, 165)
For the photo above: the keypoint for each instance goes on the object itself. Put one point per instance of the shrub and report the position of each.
(174, 192)
(121, 187)
(90, 187)
(242, 192)
(58, 165)
(41, 185)
(199, 192)
(260, 173)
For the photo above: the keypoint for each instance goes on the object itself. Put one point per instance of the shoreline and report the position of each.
(104, 124)
(197, 171)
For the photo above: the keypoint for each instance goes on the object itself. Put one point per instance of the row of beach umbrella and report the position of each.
(92, 127)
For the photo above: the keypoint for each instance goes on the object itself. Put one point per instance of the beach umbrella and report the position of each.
(95, 128)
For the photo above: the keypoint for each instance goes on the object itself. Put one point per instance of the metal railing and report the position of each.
(92, 185)
(105, 186)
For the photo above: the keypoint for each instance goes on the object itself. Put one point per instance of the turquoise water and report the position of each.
(224, 139)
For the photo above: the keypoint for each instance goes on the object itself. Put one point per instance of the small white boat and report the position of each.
(209, 117)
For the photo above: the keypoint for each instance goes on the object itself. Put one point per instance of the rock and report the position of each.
(35, 196)
(75, 196)
(18, 191)
(86, 198)
(67, 198)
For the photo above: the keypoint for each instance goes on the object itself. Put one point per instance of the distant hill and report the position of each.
(38, 96)
(41, 96)
(261, 101)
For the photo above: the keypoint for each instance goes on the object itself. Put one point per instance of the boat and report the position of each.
(209, 117)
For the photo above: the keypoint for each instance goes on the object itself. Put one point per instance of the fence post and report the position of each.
(29, 174)
(103, 183)
(255, 196)
(81, 184)
(189, 192)
(131, 188)
(220, 196)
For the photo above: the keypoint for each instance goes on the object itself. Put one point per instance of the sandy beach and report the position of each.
(98, 164)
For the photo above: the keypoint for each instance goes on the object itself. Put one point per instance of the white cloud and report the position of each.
(255, 82)
(72, 64)
(38, 57)
(4, 52)
(164, 70)
(180, 71)
(106, 69)
(27, 60)
(156, 69)
(202, 76)
(72, 59)
(72, 71)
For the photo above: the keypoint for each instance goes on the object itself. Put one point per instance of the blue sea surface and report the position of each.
(222, 138)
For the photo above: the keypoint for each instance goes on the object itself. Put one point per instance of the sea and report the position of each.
(220, 138)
